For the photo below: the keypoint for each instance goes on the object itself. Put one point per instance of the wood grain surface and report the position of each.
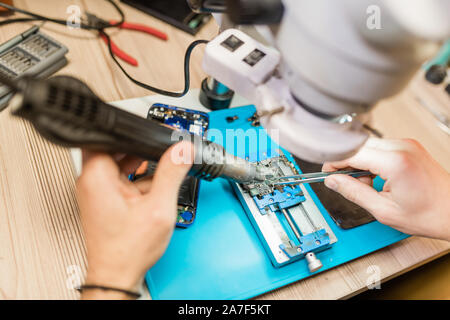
(41, 240)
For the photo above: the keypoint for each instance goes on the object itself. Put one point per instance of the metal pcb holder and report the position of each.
(30, 53)
(287, 220)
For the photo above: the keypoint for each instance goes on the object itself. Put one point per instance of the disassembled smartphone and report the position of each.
(195, 122)
(286, 218)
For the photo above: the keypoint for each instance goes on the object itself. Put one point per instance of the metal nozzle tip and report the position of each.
(263, 173)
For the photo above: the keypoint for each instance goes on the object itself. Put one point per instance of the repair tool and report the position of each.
(319, 176)
(30, 53)
(65, 111)
(93, 20)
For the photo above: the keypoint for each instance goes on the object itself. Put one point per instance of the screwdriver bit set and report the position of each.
(30, 53)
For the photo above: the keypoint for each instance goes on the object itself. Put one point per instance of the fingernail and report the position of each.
(331, 184)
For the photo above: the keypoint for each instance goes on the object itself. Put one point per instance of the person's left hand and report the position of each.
(127, 225)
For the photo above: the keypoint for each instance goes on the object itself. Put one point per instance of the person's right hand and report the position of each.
(416, 195)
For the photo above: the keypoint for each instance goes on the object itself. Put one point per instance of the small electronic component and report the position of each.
(31, 53)
(285, 217)
(195, 122)
(231, 119)
(254, 119)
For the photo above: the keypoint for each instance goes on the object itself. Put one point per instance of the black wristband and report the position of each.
(95, 286)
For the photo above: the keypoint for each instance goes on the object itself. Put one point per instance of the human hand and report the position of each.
(416, 195)
(127, 226)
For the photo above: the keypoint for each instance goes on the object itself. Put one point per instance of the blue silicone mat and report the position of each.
(220, 255)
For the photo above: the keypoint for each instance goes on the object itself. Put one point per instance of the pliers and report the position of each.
(93, 20)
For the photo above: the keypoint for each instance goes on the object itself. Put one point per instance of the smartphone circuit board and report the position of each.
(193, 121)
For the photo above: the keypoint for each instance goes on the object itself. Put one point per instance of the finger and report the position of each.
(118, 156)
(366, 180)
(328, 167)
(129, 164)
(170, 173)
(370, 151)
(144, 185)
(99, 163)
(384, 144)
(142, 169)
(99, 172)
(392, 144)
(86, 155)
(358, 192)
(363, 160)
(374, 150)
(332, 166)
(379, 162)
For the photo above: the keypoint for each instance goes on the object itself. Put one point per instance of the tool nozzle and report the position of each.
(212, 161)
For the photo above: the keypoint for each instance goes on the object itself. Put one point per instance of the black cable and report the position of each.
(39, 17)
(36, 16)
(187, 58)
(100, 29)
(9, 21)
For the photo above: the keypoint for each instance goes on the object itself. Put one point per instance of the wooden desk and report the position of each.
(40, 234)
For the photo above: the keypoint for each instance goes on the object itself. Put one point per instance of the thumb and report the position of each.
(358, 192)
(171, 172)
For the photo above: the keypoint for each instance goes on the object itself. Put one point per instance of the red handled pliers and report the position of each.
(94, 20)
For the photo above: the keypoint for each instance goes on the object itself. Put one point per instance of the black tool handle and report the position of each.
(75, 117)
(68, 113)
